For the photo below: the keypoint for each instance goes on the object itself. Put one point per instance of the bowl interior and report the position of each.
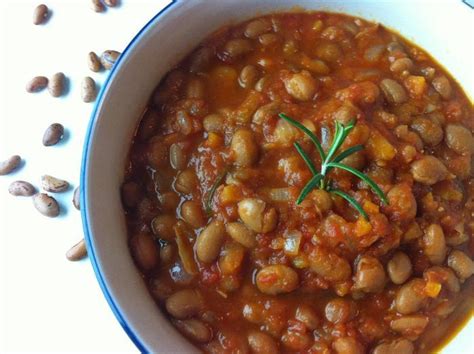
(156, 49)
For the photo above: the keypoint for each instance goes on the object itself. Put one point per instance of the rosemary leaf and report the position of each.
(351, 201)
(308, 132)
(363, 177)
(305, 158)
(212, 191)
(348, 152)
(312, 184)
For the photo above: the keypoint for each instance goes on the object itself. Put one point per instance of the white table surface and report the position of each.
(48, 304)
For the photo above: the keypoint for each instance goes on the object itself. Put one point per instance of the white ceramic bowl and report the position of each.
(444, 28)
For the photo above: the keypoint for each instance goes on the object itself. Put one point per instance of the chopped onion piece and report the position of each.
(280, 194)
(292, 242)
(185, 249)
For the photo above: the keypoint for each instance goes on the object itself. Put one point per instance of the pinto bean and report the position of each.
(209, 242)
(401, 202)
(57, 84)
(434, 244)
(53, 134)
(347, 345)
(37, 84)
(301, 86)
(444, 275)
(257, 27)
(255, 214)
(186, 181)
(339, 310)
(53, 184)
(167, 253)
(399, 268)
(213, 123)
(459, 139)
(178, 158)
(329, 265)
(184, 304)
(443, 86)
(402, 64)
(244, 148)
(428, 170)
(46, 205)
(77, 252)
(237, 47)
(144, 251)
(131, 194)
(461, 263)
(21, 189)
(393, 91)
(241, 234)
(370, 275)
(192, 213)
(307, 315)
(194, 329)
(410, 326)
(410, 297)
(163, 225)
(296, 341)
(248, 76)
(231, 258)
(429, 130)
(397, 346)
(276, 279)
(262, 343)
(40, 14)
(9, 165)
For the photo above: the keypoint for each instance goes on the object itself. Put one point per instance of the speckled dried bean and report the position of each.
(53, 184)
(57, 84)
(97, 6)
(40, 14)
(108, 58)
(21, 189)
(37, 84)
(88, 89)
(53, 134)
(93, 62)
(46, 205)
(76, 199)
(77, 252)
(9, 165)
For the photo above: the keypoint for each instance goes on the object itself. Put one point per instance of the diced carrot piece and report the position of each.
(362, 227)
(416, 86)
(432, 289)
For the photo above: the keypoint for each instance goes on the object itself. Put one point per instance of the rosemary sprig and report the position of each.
(329, 161)
(212, 191)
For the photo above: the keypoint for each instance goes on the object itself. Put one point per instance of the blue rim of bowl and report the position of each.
(83, 183)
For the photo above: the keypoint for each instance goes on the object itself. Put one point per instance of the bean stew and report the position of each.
(249, 248)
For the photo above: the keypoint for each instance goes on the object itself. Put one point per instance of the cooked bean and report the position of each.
(257, 27)
(296, 341)
(195, 89)
(459, 139)
(244, 147)
(262, 343)
(442, 85)
(200, 59)
(322, 200)
(401, 202)
(167, 253)
(393, 91)
(53, 184)
(265, 112)
(237, 47)
(397, 346)
(163, 225)
(268, 39)
(145, 251)
(428, 170)
(186, 181)
(53, 134)
(307, 315)
(93, 62)
(77, 252)
(169, 201)
(231, 258)
(301, 86)
(444, 275)
(46, 205)
(328, 51)
(178, 158)
(37, 84)
(339, 310)
(329, 265)
(410, 297)
(434, 244)
(209, 242)
(21, 189)
(248, 76)
(347, 345)
(57, 84)
(370, 275)
(276, 279)
(88, 89)
(192, 213)
(131, 194)
(241, 234)
(40, 14)
(108, 58)
(97, 6)
(399, 268)
(429, 130)
(184, 304)
(402, 64)
(410, 326)
(257, 216)
(194, 329)
(9, 165)
(213, 123)
(461, 263)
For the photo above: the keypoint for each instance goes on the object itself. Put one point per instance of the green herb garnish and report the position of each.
(329, 161)
(212, 191)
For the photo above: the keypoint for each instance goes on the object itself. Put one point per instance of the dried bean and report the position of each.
(53, 184)
(40, 15)
(37, 84)
(9, 165)
(76, 199)
(46, 205)
(88, 89)
(21, 189)
(57, 84)
(111, 3)
(93, 62)
(108, 58)
(77, 252)
(97, 6)
(53, 134)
